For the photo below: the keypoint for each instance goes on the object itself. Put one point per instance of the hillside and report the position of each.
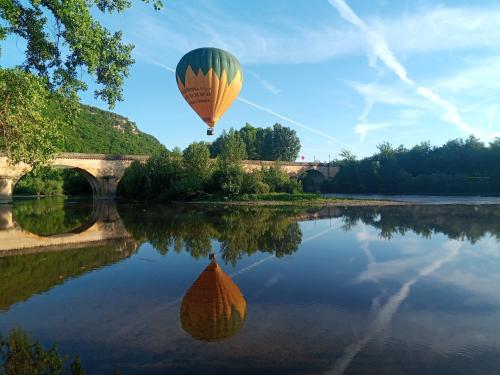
(94, 131)
(98, 131)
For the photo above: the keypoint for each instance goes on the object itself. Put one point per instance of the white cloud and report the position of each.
(364, 129)
(268, 86)
(376, 41)
(296, 41)
(443, 28)
(479, 77)
(380, 49)
(282, 42)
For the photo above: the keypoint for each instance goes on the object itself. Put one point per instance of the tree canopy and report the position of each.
(460, 166)
(272, 143)
(63, 40)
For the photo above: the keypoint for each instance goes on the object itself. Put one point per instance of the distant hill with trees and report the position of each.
(459, 167)
(97, 131)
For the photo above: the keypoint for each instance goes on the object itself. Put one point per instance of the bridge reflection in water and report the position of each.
(31, 263)
(102, 223)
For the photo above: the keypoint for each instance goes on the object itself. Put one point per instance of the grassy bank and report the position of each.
(301, 199)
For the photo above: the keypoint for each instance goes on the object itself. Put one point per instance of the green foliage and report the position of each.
(253, 183)
(27, 132)
(76, 367)
(283, 197)
(63, 39)
(50, 215)
(457, 167)
(74, 183)
(160, 177)
(272, 143)
(191, 174)
(20, 354)
(457, 222)
(29, 274)
(197, 168)
(240, 231)
(279, 181)
(279, 143)
(135, 183)
(229, 146)
(98, 131)
(50, 181)
(228, 179)
(44, 181)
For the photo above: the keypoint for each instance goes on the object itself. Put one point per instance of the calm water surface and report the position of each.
(374, 290)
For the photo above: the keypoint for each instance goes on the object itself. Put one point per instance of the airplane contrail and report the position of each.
(380, 49)
(296, 123)
(276, 114)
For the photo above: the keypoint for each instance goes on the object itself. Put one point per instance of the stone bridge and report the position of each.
(326, 170)
(103, 172)
(104, 224)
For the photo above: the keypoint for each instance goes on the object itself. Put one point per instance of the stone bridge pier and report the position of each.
(103, 172)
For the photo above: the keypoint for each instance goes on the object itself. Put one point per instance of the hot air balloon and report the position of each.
(213, 309)
(209, 79)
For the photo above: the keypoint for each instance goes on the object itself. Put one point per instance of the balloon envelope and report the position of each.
(213, 309)
(209, 79)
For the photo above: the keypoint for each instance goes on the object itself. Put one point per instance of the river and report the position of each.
(341, 290)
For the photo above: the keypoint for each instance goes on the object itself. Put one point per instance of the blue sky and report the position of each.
(343, 73)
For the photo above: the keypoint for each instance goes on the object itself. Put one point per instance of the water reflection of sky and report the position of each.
(347, 302)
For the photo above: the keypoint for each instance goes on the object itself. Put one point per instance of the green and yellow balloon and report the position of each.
(209, 79)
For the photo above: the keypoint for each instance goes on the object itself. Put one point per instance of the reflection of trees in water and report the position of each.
(240, 230)
(459, 222)
(50, 215)
(22, 276)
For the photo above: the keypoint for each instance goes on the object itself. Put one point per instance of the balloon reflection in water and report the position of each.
(214, 308)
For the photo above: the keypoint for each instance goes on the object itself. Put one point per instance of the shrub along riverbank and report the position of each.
(192, 175)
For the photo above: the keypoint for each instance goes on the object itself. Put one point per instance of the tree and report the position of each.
(27, 132)
(347, 156)
(285, 143)
(249, 135)
(232, 147)
(63, 39)
(196, 164)
(276, 143)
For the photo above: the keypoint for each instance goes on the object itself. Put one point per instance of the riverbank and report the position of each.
(302, 199)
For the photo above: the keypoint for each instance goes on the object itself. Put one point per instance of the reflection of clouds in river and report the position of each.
(407, 252)
(386, 312)
(476, 274)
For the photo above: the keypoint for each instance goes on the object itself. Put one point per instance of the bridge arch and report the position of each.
(89, 177)
(312, 179)
(102, 171)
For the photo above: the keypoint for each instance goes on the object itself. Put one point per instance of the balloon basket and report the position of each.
(210, 131)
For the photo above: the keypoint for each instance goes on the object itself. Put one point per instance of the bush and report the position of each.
(279, 181)
(176, 175)
(253, 184)
(228, 179)
(136, 182)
